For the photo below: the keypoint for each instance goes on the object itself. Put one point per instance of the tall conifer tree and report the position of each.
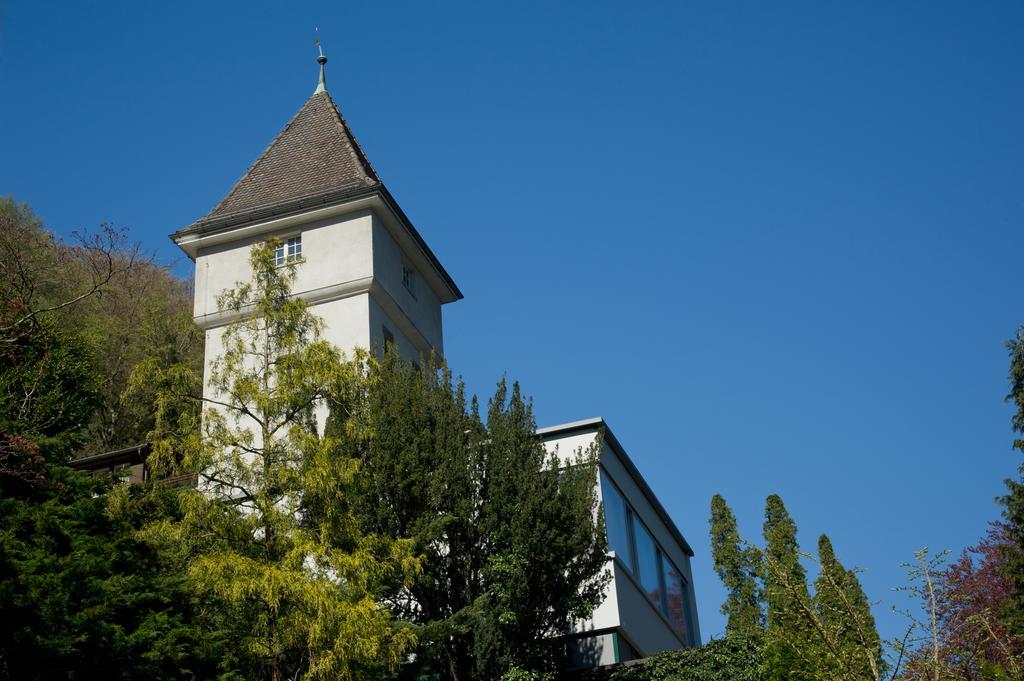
(853, 648)
(512, 548)
(737, 567)
(785, 587)
(1014, 500)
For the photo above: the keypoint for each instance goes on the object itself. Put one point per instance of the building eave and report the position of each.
(209, 226)
(407, 223)
(269, 218)
(118, 457)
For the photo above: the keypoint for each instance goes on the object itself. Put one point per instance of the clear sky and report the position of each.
(776, 245)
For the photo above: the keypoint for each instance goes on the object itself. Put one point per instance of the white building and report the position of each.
(650, 604)
(371, 277)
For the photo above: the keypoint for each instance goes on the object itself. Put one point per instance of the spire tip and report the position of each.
(321, 85)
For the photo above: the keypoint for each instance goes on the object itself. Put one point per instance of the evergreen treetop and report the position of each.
(1013, 502)
(513, 550)
(845, 627)
(737, 566)
(786, 596)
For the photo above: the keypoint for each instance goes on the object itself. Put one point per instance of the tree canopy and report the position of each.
(736, 564)
(1013, 608)
(121, 307)
(301, 593)
(513, 546)
(81, 595)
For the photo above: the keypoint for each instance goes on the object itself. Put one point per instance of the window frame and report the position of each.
(409, 276)
(289, 251)
(659, 575)
(685, 584)
(661, 557)
(629, 560)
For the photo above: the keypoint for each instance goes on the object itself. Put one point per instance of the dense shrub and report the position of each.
(729, 659)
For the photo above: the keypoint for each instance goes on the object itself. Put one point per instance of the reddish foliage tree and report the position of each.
(21, 462)
(970, 594)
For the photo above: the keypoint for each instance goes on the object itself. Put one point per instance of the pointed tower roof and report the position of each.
(314, 157)
(315, 162)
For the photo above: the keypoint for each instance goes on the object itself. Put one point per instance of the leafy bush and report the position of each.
(729, 659)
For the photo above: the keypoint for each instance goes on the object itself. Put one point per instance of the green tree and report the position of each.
(842, 621)
(301, 602)
(83, 598)
(512, 542)
(788, 651)
(49, 385)
(81, 595)
(829, 636)
(1014, 500)
(737, 566)
(41, 275)
(48, 390)
(142, 317)
(123, 307)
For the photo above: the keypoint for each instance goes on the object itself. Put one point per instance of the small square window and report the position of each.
(289, 250)
(409, 279)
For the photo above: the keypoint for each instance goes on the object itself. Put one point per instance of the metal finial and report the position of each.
(321, 85)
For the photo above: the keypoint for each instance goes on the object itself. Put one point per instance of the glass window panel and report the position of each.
(648, 562)
(676, 602)
(288, 251)
(616, 522)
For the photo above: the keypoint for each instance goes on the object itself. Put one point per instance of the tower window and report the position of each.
(289, 250)
(409, 279)
(389, 339)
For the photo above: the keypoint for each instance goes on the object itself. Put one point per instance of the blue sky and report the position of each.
(776, 245)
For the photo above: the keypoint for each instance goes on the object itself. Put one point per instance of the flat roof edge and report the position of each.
(582, 424)
(597, 423)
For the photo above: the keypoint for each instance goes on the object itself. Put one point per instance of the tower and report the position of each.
(365, 270)
(362, 266)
